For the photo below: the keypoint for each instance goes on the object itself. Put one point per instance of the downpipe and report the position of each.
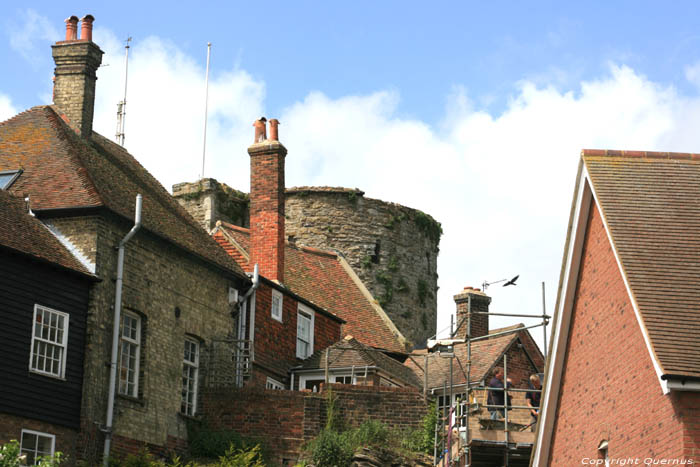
(115, 331)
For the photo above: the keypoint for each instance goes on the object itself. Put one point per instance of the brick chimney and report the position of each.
(77, 60)
(267, 201)
(479, 323)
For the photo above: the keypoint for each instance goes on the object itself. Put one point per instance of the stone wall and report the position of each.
(284, 420)
(208, 201)
(176, 295)
(392, 248)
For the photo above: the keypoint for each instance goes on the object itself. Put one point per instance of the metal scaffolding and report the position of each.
(460, 412)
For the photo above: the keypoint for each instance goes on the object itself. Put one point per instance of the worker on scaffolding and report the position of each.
(532, 398)
(497, 395)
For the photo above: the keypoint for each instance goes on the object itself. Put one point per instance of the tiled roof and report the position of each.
(21, 232)
(485, 354)
(319, 276)
(349, 352)
(61, 170)
(651, 205)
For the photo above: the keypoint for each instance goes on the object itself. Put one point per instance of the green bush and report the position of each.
(10, 456)
(330, 449)
(214, 444)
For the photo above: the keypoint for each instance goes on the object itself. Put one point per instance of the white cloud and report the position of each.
(7, 110)
(29, 36)
(500, 184)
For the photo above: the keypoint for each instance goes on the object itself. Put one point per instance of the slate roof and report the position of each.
(23, 233)
(650, 202)
(61, 170)
(485, 354)
(319, 276)
(349, 352)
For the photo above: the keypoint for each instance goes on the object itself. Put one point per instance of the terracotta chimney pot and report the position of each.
(72, 28)
(274, 134)
(260, 130)
(86, 28)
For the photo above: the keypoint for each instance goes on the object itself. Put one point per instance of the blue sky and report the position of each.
(474, 112)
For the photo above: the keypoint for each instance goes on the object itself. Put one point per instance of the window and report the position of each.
(190, 372)
(7, 177)
(35, 444)
(49, 342)
(343, 379)
(129, 355)
(305, 332)
(277, 305)
(273, 384)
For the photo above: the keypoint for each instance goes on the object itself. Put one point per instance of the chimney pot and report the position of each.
(86, 28)
(72, 28)
(260, 130)
(274, 134)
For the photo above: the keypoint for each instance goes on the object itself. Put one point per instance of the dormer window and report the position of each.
(8, 177)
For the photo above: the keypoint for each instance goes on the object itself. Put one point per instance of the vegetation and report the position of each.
(10, 456)
(233, 457)
(367, 262)
(335, 446)
(385, 280)
(429, 226)
(422, 290)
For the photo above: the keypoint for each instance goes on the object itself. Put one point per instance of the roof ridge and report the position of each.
(313, 250)
(641, 154)
(238, 228)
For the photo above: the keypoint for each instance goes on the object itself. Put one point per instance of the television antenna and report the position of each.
(121, 106)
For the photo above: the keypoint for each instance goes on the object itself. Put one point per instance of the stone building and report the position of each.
(623, 374)
(392, 248)
(179, 286)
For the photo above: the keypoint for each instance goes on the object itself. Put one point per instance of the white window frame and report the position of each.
(190, 370)
(62, 345)
(22, 448)
(135, 342)
(334, 378)
(276, 311)
(308, 313)
(272, 383)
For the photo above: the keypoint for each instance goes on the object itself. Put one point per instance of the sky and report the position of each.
(474, 112)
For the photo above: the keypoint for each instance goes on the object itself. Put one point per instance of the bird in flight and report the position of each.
(512, 281)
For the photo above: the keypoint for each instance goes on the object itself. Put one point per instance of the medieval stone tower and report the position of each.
(392, 248)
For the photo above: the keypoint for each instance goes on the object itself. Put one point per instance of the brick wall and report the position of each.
(284, 420)
(267, 208)
(609, 389)
(158, 278)
(479, 303)
(66, 438)
(275, 342)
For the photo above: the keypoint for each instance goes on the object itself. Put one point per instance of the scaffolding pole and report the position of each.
(442, 421)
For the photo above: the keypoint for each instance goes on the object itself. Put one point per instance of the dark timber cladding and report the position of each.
(23, 283)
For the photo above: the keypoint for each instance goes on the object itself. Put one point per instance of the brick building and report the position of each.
(444, 367)
(179, 286)
(623, 377)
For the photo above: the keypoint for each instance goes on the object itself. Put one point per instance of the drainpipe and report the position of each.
(115, 331)
(256, 282)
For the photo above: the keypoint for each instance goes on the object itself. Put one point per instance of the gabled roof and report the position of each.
(349, 352)
(485, 355)
(324, 278)
(650, 206)
(24, 233)
(63, 171)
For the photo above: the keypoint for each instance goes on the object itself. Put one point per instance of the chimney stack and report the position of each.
(267, 201)
(76, 61)
(479, 302)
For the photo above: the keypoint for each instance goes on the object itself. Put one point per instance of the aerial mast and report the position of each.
(121, 106)
(206, 108)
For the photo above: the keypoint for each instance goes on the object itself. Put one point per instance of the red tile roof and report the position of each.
(485, 355)
(21, 232)
(319, 276)
(650, 202)
(61, 170)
